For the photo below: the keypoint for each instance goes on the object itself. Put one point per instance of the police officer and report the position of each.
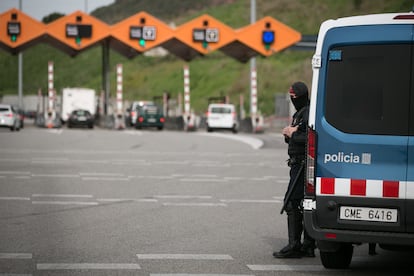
(296, 137)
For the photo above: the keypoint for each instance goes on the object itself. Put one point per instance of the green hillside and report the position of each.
(212, 75)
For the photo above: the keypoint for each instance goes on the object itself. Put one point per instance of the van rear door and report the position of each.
(363, 130)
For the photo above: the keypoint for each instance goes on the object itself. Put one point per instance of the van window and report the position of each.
(368, 89)
(222, 110)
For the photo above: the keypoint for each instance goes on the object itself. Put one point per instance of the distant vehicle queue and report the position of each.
(81, 107)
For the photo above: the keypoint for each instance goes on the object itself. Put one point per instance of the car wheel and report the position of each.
(338, 259)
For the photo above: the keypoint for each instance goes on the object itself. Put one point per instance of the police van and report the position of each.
(360, 165)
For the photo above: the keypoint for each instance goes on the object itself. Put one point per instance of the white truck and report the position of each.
(77, 98)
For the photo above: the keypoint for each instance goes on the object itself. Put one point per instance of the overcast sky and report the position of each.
(40, 8)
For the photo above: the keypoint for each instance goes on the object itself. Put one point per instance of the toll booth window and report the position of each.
(368, 89)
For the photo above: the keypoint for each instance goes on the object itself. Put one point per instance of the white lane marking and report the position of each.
(250, 201)
(286, 267)
(56, 175)
(62, 195)
(60, 266)
(101, 174)
(133, 132)
(194, 204)
(279, 197)
(14, 172)
(126, 199)
(202, 180)
(65, 202)
(183, 196)
(253, 142)
(171, 162)
(184, 257)
(233, 178)
(159, 177)
(57, 131)
(14, 198)
(105, 179)
(16, 255)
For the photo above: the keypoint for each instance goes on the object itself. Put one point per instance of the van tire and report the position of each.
(338, 259)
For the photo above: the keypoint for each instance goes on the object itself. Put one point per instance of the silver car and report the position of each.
(9, 117)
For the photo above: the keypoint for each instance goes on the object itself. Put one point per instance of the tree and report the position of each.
(52, 17)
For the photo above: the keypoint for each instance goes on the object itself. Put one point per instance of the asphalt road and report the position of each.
(106, 202)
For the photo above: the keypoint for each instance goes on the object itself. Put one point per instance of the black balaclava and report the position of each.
(300, 90)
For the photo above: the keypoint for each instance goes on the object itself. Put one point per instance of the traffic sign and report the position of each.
(149, 32)
(212, 35)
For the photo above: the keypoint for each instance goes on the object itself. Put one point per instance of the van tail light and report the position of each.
(10, 115)
(310, 163)
(140, 119)
(234, 115)
(162, 119)
(133, 114)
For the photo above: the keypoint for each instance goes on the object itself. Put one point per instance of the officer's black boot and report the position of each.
(295, 227)
(308, 247)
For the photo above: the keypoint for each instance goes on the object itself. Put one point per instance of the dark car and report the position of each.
(149, 115)
(81, 118)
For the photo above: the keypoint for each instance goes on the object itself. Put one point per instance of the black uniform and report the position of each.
(297, 152)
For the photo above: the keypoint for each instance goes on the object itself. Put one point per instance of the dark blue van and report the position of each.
(360, 165)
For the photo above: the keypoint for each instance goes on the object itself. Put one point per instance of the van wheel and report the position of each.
(338, 259)
(209, 129)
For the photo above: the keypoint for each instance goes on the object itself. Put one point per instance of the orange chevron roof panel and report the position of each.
(77, 31)
(123, 39)
(205, 34)
(284, 36)
(19, 31)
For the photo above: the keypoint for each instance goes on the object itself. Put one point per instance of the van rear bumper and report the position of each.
(354, 236)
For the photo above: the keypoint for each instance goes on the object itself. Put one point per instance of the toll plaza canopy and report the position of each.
(141, 32)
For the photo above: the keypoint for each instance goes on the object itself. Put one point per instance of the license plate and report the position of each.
(152, 120)
(82, 118)
(368, 214)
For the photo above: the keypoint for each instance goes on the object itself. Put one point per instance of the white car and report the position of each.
(222, 116)
(9, 117)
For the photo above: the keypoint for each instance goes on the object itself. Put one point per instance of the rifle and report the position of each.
(292, 188)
